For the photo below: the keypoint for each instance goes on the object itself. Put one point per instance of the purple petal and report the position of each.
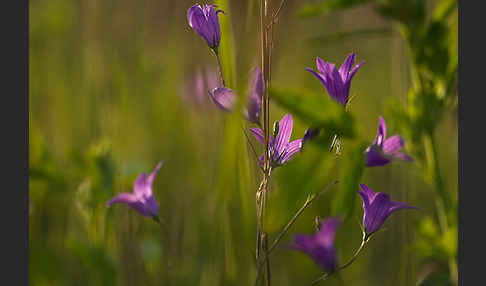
(152, 175)
(320, 247)
(393, 144)
(327, 231)
(334, 84)
(366, 194)
(213, 24)
(224, 98)
(258, 83)
(376, 213)
(346, 67)
(381, 134)
(318, 75)
(402, 156)
(375, 157)
(399, 206)
(291, 149)
(283, 136)
(131, 201)
(122, 198)
(321, 66)
(140, 185)
(354, 70)
(254, 106)
(258, 133)
(198, 21)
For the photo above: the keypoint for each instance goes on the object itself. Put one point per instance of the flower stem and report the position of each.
(220, 66)
(328, 274)
(166, 247)
(286, 228)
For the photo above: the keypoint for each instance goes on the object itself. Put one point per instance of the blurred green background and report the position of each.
(112, 93)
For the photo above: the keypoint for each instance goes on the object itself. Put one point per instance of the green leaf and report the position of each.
(354, 165)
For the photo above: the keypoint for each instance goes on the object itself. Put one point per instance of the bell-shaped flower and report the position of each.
(320, 246)
(281, 149)
(257, 88)
(224, 98)
(204, 20)
(337, 83)
(384, 150)
(142, 199)
(377, 207)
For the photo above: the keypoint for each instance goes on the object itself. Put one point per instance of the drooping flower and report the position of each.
(281, 150)
(337, 83)
(384, 150)
(320, 246)
(376, 208)
(196, 87)
(257, 88)
(204, 20)
(224, 98)
(142, 199)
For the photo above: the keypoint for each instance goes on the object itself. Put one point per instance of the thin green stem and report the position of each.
(220, 66)
(166, 247)
(328, 274)
(308, 202)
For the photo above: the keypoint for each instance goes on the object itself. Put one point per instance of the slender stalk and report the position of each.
(265, 249)
(286, 228)
(355, 255)
(443, 203)
(166, 247)
(277, 13)
(251, 146)
(220, 66)
(307, 203)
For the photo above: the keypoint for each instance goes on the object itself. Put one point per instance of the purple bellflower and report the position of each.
(142, 199)
(337, 83)
(224, 98)
(257, 88)
(204, 20)
(384, 150)
(281, 150)
(320, 246)
(376, 209)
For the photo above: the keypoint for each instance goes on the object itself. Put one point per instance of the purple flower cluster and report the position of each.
(377, 207)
